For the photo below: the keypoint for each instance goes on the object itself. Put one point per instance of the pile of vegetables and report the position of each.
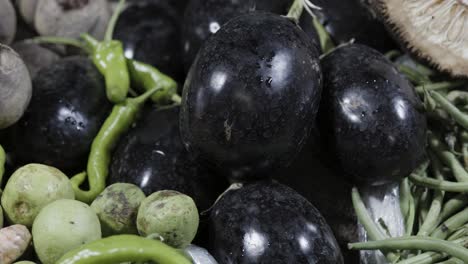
(146, 131)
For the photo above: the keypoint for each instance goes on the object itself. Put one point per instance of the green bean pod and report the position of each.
(124, 248)
(121, 118)
(415, 243)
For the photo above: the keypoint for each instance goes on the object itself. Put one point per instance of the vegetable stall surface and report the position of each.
(251, 97)
(15, 87)
(371, 119)
(267, 222)
(67, 109)
(434, 30)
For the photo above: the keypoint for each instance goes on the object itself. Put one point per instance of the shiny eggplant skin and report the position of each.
(203, 18)
(251, 97)
(152, 157)
(67, 109)
(345, 20)
(266, 222)
(371, 119)
(151, 33)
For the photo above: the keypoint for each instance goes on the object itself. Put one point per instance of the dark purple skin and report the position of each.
(204, 17)
(151, 32)
(152, 156)
(350, 19)
(371, 119)
(266, 222)
(251, 97)
(67, 109)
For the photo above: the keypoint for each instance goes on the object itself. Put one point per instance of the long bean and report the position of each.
(458, 116)
(451, 225)
(440, 184)
(431, 257)
(453, 205)
(448, 158)
(415, 243)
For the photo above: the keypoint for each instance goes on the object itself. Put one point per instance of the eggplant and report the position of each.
(151, 33)
(372, 122)
(346, 20)
(67, 109)
(251, 97)
(267, 222)
(204, 17)
(152, 157)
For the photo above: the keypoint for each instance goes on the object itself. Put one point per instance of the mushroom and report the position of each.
(432, 29)
(15, 87)
(7, 22)
(70, 18)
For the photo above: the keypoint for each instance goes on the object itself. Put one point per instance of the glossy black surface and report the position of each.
(251, 97)
(67, 109)
(371, 119)
(151, 33)
(322, 187)
(267, 222)
(152, 157)
(204, 17)
(350, 19)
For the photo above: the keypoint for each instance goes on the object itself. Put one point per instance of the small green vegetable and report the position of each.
(31, 188)
(124, 248)
(117, 208)
(62, 226)
(170, 215)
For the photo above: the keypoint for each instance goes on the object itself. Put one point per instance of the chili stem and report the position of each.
(415, 243)
(113, 21)
(61, 41)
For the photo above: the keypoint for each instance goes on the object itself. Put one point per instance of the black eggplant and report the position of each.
(151, 33)
(345, 20)
(204, 17)
(251, 97)
(266, 222)
(152, 157)
(67, 109)
(371, 119)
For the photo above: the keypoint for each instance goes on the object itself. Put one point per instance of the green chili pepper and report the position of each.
(148, 77)
(124, 248)
(107, 55)
(2, 163)
(121, 118)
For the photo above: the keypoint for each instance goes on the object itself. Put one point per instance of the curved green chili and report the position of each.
(124, 248)
(415, 243)
(2, 163)
(147, 77)
(119, 121)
